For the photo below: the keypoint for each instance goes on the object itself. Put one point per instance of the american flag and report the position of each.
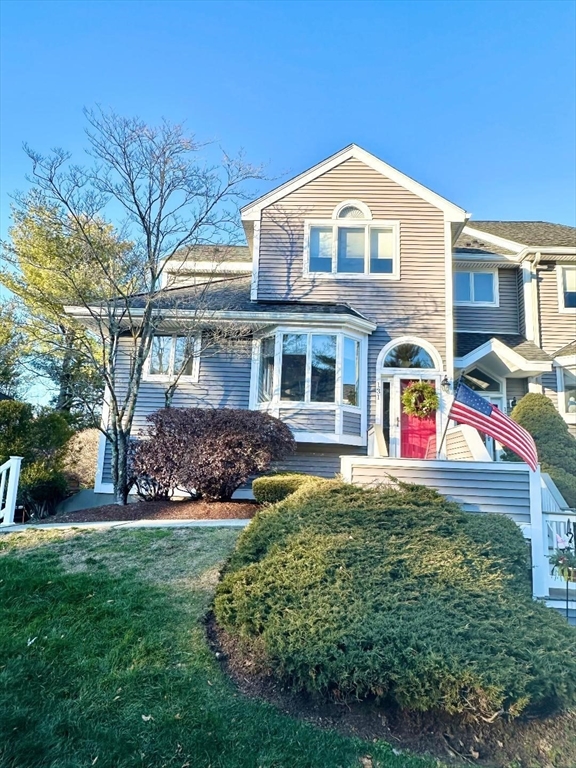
(470, 408)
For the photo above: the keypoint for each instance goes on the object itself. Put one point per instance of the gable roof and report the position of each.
(468, 342)
(453, 212)
(529, 233)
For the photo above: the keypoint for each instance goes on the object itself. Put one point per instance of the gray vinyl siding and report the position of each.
(351, 423)
(308, 420)
(321, 460)
(521, 307)
(413, 305)
(501, 319)
(223, 382)
(556, 328)
(476, 490)
(516, 388)
(107, 464)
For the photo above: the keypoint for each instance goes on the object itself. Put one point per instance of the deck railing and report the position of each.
(9, 477)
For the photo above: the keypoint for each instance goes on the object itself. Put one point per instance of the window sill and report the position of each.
(490, 304)
(161, 379)
(283, 404)
(349, 276)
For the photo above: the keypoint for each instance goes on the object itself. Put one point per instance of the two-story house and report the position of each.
(355, 281)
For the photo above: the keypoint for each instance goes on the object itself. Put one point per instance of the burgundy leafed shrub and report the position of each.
(206, 452)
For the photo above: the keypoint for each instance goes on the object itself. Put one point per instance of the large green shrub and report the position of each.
(397, 595)
(42, 487)
(556, 446)
(272, 488)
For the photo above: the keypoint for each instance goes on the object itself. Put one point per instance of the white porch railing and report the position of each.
(9, 477)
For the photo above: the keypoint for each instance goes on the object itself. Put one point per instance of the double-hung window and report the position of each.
(567, 392)
(567, 287)
(312, 368)
(172, 356)
(471, 287)
(352, 243)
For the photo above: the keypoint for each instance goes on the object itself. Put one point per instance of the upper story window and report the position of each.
(567, 287)
(476, 287)
(173, 356)
(310, 368)
(352, 243)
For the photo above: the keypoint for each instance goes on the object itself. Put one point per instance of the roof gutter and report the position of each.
(88, 316)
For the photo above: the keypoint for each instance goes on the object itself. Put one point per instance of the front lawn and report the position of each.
(104, 662)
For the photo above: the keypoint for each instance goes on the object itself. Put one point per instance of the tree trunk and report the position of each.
(120, 467)
(66, 388)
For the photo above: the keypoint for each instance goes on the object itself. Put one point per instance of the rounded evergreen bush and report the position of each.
(272, 488)
(556, 446)
(399, 595)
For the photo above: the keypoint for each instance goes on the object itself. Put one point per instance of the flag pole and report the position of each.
(448, 416)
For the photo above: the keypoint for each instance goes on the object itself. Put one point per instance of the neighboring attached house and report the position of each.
(357, 280)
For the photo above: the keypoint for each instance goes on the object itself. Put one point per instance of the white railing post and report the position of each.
(540, 565)
(12, 490)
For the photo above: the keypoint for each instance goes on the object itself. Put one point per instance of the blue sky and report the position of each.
(474, 99)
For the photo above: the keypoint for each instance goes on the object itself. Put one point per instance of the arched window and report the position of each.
(350, 212)
(408, 355)
(408, 352)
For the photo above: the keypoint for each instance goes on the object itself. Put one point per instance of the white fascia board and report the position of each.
(507, 355)
(190, 266)
(566, 361)
(510, 245)
(351, 321)
(451, 211)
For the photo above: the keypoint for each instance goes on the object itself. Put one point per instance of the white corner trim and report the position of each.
(104, 422)
(449, 299)
(255, 260)
(453, 212)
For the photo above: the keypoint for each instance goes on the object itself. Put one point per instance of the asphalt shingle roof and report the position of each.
(569, 349)
(217, 253)
(233, 295)
(532, 233)
(467, 342)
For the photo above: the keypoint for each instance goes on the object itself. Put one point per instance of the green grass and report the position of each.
(104, 662)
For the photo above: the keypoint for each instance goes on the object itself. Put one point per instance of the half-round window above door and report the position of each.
(407, 355)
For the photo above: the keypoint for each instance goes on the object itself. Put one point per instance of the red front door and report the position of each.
(417, 436)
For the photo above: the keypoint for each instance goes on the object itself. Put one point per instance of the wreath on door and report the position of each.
(420, 399)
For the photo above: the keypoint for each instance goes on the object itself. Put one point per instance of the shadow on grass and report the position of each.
(100, 665)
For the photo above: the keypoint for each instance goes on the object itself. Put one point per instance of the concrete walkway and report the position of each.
(128, 524)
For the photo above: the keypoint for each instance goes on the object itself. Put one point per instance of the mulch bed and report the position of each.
(160, 510)
(522, 743)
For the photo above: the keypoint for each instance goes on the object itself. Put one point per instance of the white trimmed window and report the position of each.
(352, 243)
(567, 287)
(476, 287)
(566, 378)
(309, 368)
(171, 356)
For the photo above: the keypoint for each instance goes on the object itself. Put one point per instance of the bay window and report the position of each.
(321, 368)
